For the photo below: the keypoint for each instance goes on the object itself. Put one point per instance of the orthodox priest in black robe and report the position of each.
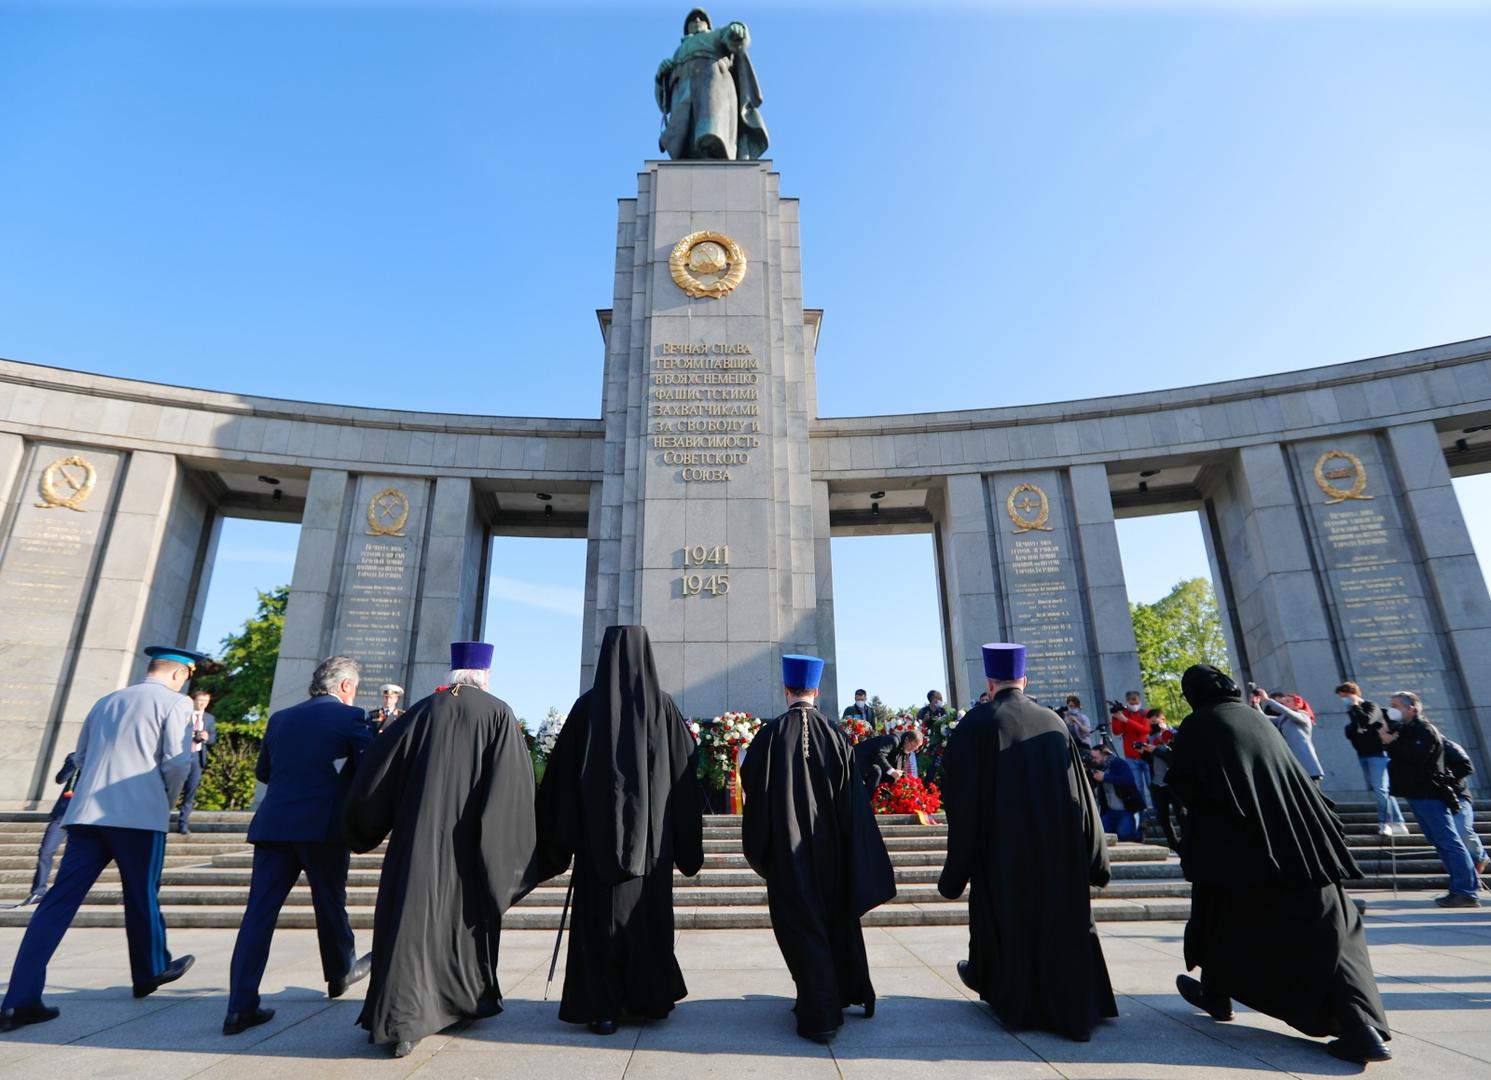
(621, 797)
(452, 780)
(809, 831)
(1271, 925)
(1025, 837)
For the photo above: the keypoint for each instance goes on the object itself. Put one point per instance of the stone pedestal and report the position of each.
(706, 527)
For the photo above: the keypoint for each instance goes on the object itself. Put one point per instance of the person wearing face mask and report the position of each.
(1416, 770)
(1361, 716)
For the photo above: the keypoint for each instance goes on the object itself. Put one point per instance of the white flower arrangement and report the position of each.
(548, 732)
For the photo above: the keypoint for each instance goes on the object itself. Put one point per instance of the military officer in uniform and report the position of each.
(133, 755)
(389, 711)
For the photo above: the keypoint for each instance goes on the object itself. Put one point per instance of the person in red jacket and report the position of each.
(1131, 723)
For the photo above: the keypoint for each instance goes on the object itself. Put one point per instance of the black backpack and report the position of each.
(1456, 760)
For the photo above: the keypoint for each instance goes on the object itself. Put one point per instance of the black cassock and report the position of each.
(453, 781)
(620, 795)
(809, 831)
(1271, 925)
(1025, 836)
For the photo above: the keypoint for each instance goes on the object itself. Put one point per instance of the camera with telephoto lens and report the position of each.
(1114, 706)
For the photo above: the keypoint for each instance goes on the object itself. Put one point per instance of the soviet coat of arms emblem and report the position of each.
(707, 264)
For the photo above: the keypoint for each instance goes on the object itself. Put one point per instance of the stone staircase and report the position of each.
(206, 878)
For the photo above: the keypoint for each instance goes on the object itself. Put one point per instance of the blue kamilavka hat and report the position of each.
(801, 672)
(1004, 661)
(471, 655)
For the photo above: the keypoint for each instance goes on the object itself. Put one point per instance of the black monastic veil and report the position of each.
(1271, 925)
(621, 797)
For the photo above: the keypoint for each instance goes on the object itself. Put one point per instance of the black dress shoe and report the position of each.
(1218, 1008)
(34, 898)
(870, 1009)
(174, 970)
(603, 1027)
(824, 1037)
(404, 1047)
(965, 976)
(359, 971)
(19, 1017)
(1362, 1045)
(183, 831)
(242, 1021)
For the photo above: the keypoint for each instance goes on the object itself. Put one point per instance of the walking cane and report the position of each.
(563, 917)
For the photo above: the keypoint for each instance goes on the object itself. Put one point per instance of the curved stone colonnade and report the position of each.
(1335, 536)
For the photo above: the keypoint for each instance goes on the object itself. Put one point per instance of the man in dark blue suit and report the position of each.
(309, 754)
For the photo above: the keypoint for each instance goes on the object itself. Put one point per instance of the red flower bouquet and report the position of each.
(908, 795)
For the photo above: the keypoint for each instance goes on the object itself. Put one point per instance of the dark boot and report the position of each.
(22, 1015)
(359, 971)
(603, 1027)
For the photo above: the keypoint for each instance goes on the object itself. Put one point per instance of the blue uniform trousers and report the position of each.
(189, 792)
(51, 840)
(277, 866)
(139, 854)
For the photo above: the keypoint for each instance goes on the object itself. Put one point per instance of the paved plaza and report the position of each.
(1434, 968)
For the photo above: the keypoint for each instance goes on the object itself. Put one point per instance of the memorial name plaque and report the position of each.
(45, 574)
(1373, 582)
(1043, 608)
(375, 614)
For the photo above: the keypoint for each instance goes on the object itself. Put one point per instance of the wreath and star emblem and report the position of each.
(707, 263)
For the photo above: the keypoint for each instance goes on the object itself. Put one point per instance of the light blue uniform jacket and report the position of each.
(134, 753)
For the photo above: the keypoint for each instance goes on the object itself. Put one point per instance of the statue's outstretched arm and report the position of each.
(737, 37)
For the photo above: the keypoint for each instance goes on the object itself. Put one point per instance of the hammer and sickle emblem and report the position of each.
(66, 482)
(1347, 467)
(1028, 508)
(387, 512)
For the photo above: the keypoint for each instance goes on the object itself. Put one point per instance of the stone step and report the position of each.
(551, 895)
(685, 918)
(240, 875)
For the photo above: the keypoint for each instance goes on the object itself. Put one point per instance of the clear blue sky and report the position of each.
(413, 204)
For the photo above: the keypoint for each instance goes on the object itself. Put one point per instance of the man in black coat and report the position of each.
(308, 758)
(1025, 834)
(1270, 925)
(882, 760)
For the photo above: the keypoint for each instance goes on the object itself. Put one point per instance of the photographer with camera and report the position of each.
(1361, 715)
(1117, 792)
(1289, 715)
(1157, 754)
(1417, 772)
(1128, 721)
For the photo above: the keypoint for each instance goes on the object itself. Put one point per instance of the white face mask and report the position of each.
(1395, 714)
(1347, 701)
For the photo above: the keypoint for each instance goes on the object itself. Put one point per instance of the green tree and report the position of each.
(1180, 629)
(240, 701)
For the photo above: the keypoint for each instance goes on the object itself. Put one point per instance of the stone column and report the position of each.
(312, 585)
(971, 611)
(1101, 570)
(141, 590)
(706, 520)
(449, 602)
(828, 698)
(60, 500)
(1457, 585)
